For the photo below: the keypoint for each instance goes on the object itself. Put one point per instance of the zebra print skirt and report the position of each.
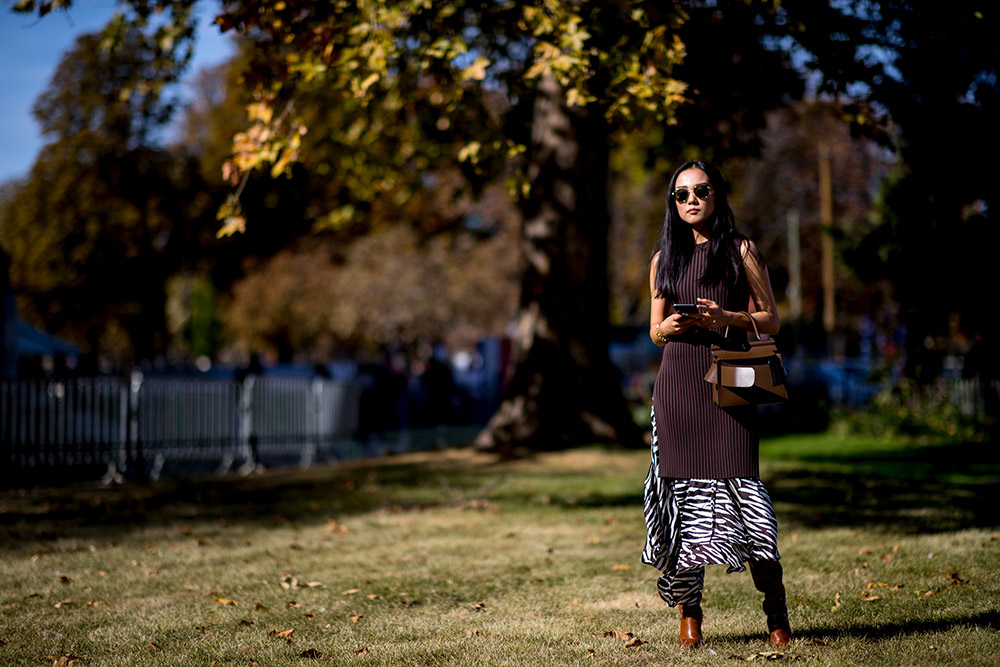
(691, 523)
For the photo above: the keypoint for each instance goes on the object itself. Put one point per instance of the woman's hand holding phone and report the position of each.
(683, 318)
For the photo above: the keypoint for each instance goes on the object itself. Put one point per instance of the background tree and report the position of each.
(578, 73)
(314, 300)
(414, 84)
(937, 82)
(91, 230)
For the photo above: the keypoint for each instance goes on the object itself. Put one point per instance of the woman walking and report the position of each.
(704, 501)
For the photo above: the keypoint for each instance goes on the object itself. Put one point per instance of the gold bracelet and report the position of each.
(659, 335)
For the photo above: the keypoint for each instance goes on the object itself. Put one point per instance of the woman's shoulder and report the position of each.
(747, 248)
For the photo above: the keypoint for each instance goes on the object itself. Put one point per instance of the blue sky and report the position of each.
(30, 50)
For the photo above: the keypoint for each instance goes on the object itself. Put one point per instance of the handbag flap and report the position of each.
(758, 348)
(732, 376)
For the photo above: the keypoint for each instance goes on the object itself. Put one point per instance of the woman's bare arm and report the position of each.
(766, 315)
(659, 320)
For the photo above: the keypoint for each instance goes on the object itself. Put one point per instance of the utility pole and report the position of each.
(826, 242)
(794, 265)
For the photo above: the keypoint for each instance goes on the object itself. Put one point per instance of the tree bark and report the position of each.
(563, 390)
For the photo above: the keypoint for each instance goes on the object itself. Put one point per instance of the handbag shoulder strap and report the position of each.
(753, 323)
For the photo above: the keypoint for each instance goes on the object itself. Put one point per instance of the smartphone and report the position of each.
(686, 308)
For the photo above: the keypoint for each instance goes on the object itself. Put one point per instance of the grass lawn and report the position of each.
(891, 557)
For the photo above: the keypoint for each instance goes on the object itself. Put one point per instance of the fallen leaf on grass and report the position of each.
(64, 579)
(886, 558)
(63, 603)
(292, 604)
(766, 655)
(955, 580)
(372, 596)
(355, 619)
(620, 567)
(283, 634)
(361, 651)
(867, 596)
(472, 633)
(864, 551)
(480, 606)
(154, 647)
(628, 638)
(311, 654)
(64, 660)
(836, 602)
(876, 584)
(335, 527)
(259, 607)
(96, 603)
(351, 591)
(225, 602)
(591, 653)
(407, 602)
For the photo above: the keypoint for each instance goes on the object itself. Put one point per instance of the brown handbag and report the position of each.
(748, 375)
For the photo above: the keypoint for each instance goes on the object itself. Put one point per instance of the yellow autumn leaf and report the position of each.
(477, 70)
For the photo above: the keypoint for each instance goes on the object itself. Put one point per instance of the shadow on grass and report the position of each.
(273, 498)
(930, 489)
(920, 490)
(987, 620)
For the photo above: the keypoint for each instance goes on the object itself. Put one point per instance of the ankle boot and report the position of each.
(767, 578)
(690, 625)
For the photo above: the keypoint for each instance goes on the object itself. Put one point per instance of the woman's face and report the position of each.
(694, 211)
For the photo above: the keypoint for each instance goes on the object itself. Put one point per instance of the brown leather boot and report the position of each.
(767, 578)
(690, 625)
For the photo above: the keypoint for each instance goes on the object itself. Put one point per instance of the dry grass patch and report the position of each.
(453, 558)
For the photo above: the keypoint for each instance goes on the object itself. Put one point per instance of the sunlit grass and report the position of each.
(454, 558)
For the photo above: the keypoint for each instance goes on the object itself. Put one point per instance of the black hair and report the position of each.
(676, 242)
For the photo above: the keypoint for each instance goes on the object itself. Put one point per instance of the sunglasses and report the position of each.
(702, 191)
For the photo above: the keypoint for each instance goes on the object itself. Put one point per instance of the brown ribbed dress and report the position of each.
(697, 438)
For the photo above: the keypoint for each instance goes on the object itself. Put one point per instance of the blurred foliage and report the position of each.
(348, 117)
(784, 181)
(99, 223)
(922, 413)
(933, 83)
(394, 285)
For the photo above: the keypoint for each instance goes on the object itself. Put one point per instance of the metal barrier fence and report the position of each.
(133, 428)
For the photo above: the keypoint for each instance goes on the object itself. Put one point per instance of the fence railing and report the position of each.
(132, 428)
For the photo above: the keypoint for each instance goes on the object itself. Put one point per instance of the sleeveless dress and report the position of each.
(703, 501)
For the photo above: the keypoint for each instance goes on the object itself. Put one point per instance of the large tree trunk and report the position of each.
(563, 390)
